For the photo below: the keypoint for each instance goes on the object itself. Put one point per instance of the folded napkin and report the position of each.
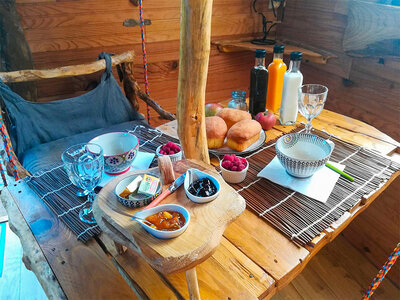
(319, 186)
(142, 161)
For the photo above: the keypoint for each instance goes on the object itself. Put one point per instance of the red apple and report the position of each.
(212, 109)
(266, 119)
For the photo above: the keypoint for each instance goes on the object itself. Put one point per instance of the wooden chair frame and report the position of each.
(124, 63)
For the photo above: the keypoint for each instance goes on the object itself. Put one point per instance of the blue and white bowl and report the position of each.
(163, 234)
(303, 154)
(119, 150)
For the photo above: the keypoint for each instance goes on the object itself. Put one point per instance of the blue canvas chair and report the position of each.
(41, 131)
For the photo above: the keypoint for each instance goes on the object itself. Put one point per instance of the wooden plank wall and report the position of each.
(364, 88)
(70, 32)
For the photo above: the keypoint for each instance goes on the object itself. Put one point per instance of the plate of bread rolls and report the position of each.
(233, 131)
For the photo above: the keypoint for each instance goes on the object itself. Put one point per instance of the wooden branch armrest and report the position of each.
(68, 71)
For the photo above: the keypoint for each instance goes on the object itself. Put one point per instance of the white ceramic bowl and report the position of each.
(140, 199)
(303, 154)
(201, 175)
(119, 150)
(233, 176)
(163, 234)
(173, 157)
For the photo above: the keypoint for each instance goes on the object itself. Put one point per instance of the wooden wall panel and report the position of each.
(363, 88)
(71, 32)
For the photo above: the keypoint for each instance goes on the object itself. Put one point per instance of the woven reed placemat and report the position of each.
(56, 190)
(299, 217)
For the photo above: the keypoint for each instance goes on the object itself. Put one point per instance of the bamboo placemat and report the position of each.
(299, 217)
(56, 190)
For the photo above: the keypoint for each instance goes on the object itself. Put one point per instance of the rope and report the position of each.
(146, 81)
(382, 273)
(8, 147)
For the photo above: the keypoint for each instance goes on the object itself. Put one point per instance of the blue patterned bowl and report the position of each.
(119, 149)
(303, 154)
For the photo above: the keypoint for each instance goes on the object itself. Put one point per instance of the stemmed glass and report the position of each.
(84, 165)
(311, 99)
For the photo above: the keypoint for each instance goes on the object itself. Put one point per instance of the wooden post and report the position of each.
(193, 285)
(193, 68)
(14, 49)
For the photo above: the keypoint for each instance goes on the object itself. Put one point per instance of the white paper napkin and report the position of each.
(319, 186)
(142, 161)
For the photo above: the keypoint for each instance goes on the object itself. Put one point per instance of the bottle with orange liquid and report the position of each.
(276, 72)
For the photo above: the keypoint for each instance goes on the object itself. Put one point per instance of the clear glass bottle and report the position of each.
(258, 84)
(238, 100)
(276, 72)
(292, 81)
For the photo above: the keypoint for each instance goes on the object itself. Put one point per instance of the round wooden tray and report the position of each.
(197, 243)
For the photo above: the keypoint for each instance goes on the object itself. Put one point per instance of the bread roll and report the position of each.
(216, 131)
(232, 116)
(244, 133)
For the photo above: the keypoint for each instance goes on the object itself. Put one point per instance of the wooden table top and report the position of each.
(253, 260)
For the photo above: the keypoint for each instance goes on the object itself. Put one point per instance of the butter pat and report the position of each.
(149, 185)
(131, 188)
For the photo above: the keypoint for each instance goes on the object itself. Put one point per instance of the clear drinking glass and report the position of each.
(311, 100)
(84, 165)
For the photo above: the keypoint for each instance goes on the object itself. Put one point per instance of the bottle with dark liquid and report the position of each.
(258, 84)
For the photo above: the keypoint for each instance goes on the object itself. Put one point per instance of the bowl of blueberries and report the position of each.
(201, 187)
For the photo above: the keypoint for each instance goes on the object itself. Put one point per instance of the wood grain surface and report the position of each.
(207, 224)
(70, 260)
(369, 23)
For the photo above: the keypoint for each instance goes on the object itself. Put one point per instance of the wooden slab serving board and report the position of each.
(197, 243)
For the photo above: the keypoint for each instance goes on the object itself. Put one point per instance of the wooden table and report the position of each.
(253, 261)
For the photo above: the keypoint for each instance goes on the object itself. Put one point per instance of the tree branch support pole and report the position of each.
(193, 67)
(193, 285)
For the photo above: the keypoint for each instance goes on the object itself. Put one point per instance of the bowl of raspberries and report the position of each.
(234, 168)
(171, 149)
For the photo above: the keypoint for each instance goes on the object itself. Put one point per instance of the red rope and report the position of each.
(146, 81)
(382, 273)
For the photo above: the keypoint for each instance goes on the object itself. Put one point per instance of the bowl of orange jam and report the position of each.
(165, 221)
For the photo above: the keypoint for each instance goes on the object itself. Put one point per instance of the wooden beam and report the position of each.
(68, 71)
(193, 67)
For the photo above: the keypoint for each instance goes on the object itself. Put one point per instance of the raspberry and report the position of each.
(241, 167)
(243, 160)
(226, 164)
(228, 157)
(234, 168)
(171, 152)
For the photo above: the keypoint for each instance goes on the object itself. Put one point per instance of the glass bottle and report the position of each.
(276, 72)
(291, 83)
(238, 100)
(258, 84)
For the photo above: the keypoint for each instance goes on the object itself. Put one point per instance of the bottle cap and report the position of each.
(296, 55)
(261, 53)
(279, 48)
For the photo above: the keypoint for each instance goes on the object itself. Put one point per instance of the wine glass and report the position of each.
(311, 99)
(84, 165)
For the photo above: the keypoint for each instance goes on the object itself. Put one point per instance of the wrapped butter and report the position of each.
(149, 185)
(131, 188)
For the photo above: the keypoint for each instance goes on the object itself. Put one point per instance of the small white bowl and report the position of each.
(233, 176)
(173, 157)
(164, 234)
(119, 150)
(201, 175)
(140, 199)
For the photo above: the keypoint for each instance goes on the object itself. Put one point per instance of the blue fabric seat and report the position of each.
(45, 156)
(34, 125)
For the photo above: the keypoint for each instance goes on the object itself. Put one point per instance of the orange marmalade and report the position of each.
(166, 220)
